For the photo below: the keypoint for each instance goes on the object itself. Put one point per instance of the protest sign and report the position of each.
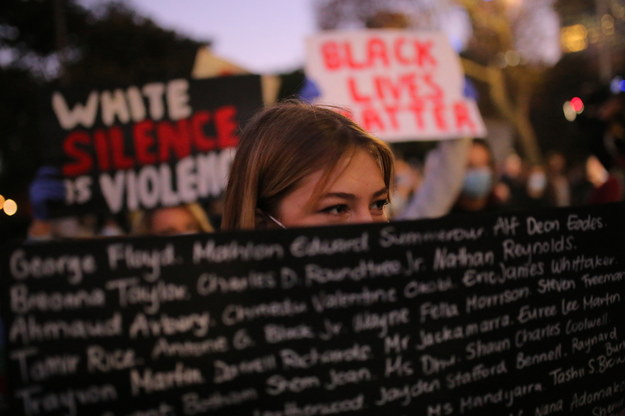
(399, 85)
(207, 65)
(143, 146)
(498, 314)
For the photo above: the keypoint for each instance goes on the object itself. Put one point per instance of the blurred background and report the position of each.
(545, 73)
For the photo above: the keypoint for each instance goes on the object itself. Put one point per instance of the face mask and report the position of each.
(477, 183)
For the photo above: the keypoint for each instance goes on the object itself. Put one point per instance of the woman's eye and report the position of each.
(335, 209)
(380, 204)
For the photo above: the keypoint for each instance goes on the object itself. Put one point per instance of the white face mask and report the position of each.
(477, 183)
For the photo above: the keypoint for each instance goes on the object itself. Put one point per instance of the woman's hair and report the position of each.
(282, 145)
(141, 220)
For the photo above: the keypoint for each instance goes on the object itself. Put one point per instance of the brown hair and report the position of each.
(141, 221)
(283, 144)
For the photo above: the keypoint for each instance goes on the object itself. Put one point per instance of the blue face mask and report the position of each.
(477, 183)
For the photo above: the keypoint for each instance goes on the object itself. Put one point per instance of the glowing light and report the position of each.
(617, 85)
(1, 201)
(10, 207)
(568, 111)
(513, 58)
(577, 104)
(574, 38)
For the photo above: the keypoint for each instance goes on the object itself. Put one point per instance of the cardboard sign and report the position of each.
(207, 65)
(506, 314)
(144, 146)
(399, 85)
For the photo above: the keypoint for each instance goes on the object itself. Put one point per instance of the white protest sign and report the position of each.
(399, 85)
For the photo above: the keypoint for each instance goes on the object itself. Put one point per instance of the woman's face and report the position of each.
(355, 194)
(173, 221)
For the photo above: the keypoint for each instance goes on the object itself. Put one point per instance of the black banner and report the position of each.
(144, 146)
(515, 313)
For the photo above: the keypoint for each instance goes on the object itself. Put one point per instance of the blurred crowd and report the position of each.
(487, 184)
(514, 184)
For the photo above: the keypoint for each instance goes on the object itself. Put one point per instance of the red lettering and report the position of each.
(387, 88)
(376, 51)
(371, 120)
(410, 83)
(144, 142)
(423, 53)
(226, 126)
(437, 91)
(120, 159)
(331, 56)
(201, 141)
(439, 116)
(463, 118)
(173, 137)
(149, 142)
(391, 112)
(397, 50)
(417, 110)
(82, 161)
(101, 147)
(351, 62)
(384, 86)
(353, 91)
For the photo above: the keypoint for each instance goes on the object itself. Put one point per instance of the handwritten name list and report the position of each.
(517, 313)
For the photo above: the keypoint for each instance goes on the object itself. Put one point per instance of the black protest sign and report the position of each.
(509, 314)
(144, 146)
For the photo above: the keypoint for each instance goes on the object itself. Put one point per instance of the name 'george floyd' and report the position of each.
(516, 313)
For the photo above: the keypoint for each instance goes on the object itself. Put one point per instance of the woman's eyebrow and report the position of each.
(342, 195)
(348, 196)
(381, 192)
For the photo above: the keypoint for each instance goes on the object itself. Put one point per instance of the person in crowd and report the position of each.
(299, 164)
(46, 189)
(175, 220)
(408, 178)
(510, 189)
(558, 185)
(536, 187)
(442, 177)
(46, 193)
(477, 190)
(603, 125)
(605, 186)
(581, 187)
